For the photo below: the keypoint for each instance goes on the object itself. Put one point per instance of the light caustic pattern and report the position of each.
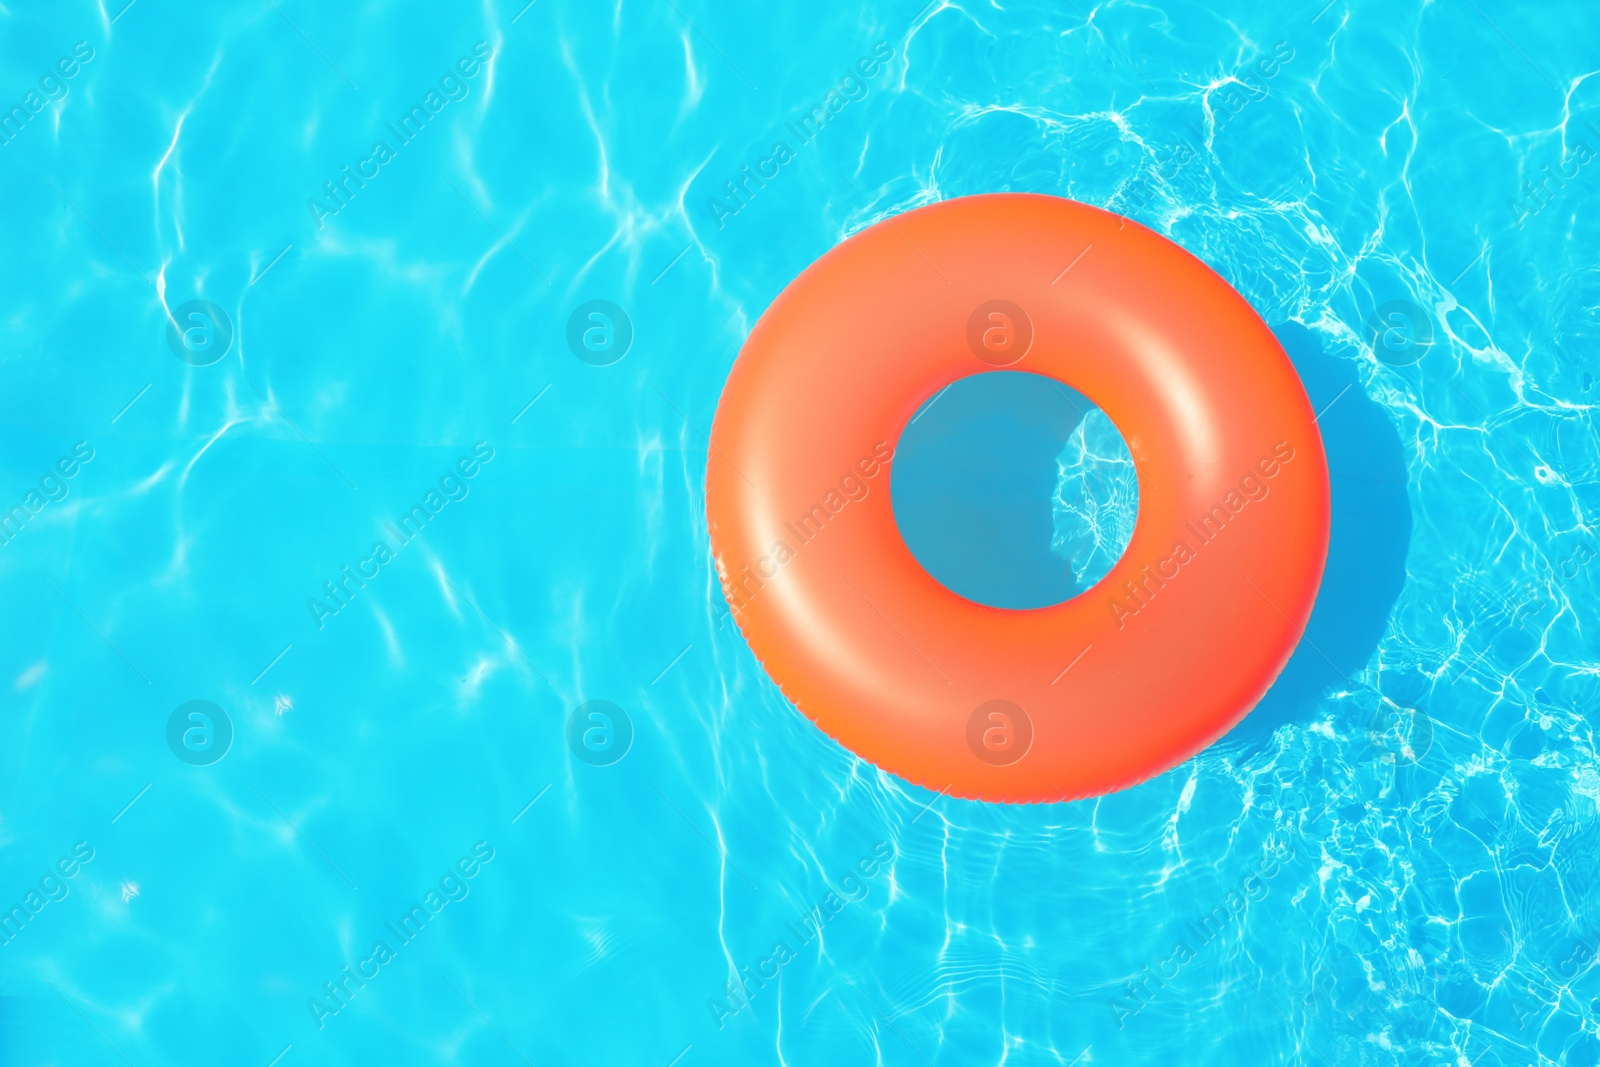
(1097, 499)
(1391, 863)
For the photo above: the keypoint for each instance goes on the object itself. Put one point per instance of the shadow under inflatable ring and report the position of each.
(1171, 649)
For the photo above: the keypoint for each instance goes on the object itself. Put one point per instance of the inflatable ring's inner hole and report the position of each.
(1014, 490)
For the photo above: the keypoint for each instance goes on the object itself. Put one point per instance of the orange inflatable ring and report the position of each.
(1125, 681)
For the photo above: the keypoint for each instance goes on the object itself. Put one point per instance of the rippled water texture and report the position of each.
(1391, 862)
(1097, 499)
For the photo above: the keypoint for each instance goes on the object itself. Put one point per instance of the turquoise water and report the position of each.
(1391, 862)
(971, 469)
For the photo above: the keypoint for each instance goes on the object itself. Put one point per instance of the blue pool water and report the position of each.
(1391, 862)
(973, 468)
